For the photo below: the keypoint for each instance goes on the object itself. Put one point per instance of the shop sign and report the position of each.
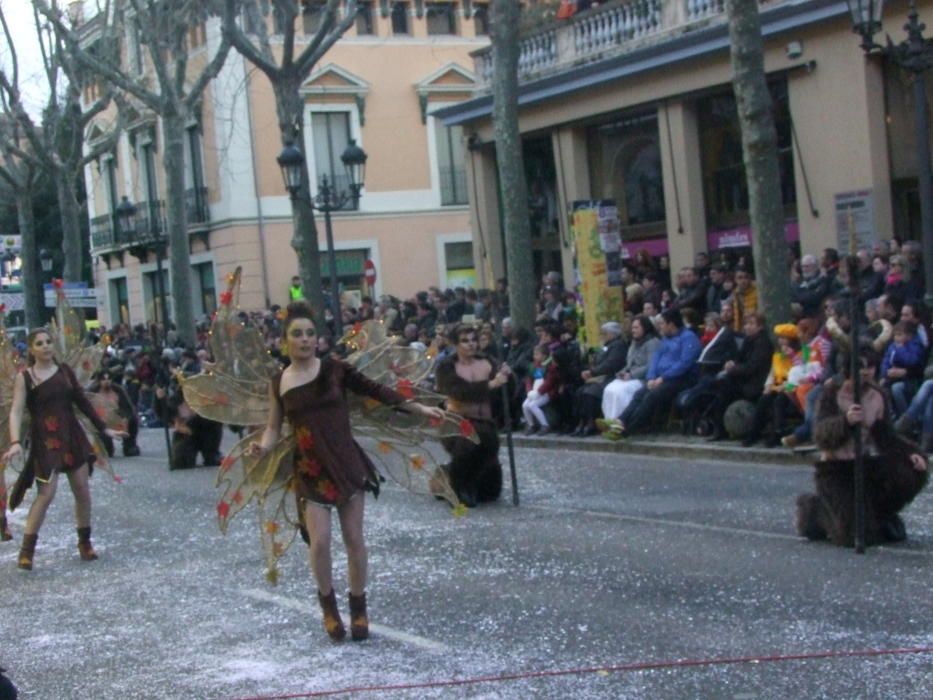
(855, 217)
(741, 236)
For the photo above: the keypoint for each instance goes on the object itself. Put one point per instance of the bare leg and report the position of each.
(81, 488)
(351, 527)
(41, 504)
(317, 520)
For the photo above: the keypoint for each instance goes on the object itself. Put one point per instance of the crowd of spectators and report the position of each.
(691, 348)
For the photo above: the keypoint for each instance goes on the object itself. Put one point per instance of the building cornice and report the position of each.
(689, 46)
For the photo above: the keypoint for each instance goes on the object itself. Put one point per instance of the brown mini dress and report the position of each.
(57, 442)
(330, 467)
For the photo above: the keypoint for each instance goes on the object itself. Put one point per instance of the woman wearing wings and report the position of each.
(327, 423)
(49, 392)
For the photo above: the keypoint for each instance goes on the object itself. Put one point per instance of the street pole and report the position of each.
(924, 182)
(326, 196)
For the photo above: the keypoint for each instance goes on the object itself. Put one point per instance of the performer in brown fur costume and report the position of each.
(895, 471)
(467, 379)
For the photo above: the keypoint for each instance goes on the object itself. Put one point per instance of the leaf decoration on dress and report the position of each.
(67, 332)
(235, 389)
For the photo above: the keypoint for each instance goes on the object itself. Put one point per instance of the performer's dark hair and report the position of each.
(868, 357)
(30, 338)
(462, 329)
(294, 311)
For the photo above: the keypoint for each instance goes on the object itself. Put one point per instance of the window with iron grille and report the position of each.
(330, 133)
(450, 164)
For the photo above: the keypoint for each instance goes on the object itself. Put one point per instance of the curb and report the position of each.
(668, 446)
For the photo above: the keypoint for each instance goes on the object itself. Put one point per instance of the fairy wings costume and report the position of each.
(235, 390)
(67, 333)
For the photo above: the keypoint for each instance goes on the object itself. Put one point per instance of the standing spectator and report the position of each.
(744, 298)
(295, 292)
(715, 291)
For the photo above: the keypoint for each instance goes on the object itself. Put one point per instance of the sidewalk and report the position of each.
(668, 445)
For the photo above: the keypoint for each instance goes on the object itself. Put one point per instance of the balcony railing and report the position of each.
(103, 232)
(150, 222)
(196, 209)
(610, 29)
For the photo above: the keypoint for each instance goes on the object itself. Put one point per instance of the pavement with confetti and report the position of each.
(617, 576)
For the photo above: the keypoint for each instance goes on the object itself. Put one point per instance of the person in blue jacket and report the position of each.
(673, 368)
(902, 366)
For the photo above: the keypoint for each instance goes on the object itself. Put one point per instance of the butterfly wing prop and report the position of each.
(396, 440)
(235, 389)
(67, 331)
(269, 480)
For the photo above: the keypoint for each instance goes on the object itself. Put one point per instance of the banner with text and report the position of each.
(599, 263)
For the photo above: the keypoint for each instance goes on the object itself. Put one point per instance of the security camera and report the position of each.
(794, 49)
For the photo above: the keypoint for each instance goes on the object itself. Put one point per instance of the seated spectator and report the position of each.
(651, 289)
(895, 472)
(902, 366)
(837, 328)
(879, 331)
(870, 283)
(812, 287)
(743, 378)
(913, 311)
(776, 403)
(619, 392)
(672, 369)
(719, 347)
(692, 294)
(543, 385)
(611, 359)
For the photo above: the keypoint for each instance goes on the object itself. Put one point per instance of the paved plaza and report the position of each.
(618, 576)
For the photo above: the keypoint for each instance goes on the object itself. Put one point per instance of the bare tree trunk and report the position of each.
(513, 188)
(173, 163)
(32, 281)
(759, 147)
(69, 211)
(289, 107)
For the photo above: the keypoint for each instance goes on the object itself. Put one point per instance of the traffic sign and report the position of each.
(369, 272)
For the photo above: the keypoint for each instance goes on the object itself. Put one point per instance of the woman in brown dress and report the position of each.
(331, 470)
(467, 378)
(57, 443)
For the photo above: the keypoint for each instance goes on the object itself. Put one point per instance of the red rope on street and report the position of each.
(614, 668)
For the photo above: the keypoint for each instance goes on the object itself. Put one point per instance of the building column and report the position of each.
(685, 212)
(482, 186)
(573, 183)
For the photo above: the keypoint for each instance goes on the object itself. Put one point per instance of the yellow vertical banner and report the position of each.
(598, 254)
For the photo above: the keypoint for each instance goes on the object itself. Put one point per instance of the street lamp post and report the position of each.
(914, 55)
(328, 199)
(46, 260)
